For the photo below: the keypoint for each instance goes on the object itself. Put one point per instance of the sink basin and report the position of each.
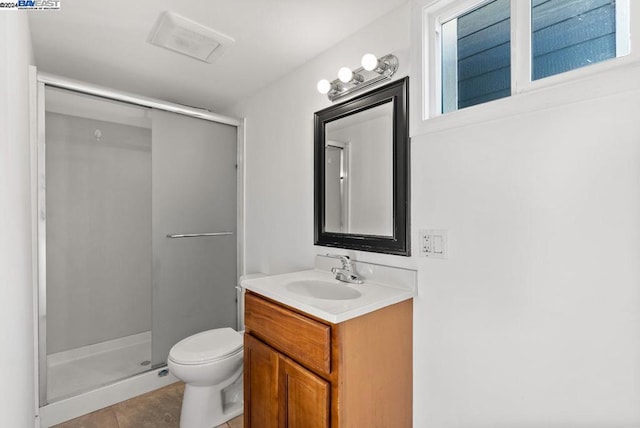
(323, 290)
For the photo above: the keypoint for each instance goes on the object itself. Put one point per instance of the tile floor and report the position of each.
(156, 409)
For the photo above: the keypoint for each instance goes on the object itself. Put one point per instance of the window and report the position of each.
(476, 56)
(569, 34)
(479, 51)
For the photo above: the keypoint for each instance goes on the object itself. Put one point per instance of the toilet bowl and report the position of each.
(210, 365)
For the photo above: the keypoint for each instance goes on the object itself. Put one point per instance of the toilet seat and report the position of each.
(207, 346)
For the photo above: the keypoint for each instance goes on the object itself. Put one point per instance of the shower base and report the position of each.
(83, 380)
(82, 404)
(83, 369)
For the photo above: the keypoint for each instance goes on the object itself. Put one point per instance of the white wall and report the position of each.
(16, 326)
(279, 148)
(534, 320)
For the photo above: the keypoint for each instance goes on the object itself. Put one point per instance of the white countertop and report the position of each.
(374, 295)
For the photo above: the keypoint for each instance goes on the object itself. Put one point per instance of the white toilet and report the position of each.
(210, 364)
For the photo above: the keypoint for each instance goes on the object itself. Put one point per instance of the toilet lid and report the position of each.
(207, 346)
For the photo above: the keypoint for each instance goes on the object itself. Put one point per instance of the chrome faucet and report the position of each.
(347, 273)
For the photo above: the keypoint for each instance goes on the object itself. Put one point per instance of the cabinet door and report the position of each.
(305, 397)
(261, 365)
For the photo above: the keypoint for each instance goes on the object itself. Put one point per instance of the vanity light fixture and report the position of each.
(373, 70)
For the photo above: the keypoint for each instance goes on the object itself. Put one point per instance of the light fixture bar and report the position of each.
(362, 78)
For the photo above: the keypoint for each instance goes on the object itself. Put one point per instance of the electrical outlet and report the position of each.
(433, 243)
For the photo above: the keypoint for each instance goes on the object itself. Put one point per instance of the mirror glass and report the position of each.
(361, 172)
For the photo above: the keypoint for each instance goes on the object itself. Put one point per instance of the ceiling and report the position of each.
(105, 43)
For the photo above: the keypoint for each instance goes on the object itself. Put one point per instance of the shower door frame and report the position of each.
(39, 81)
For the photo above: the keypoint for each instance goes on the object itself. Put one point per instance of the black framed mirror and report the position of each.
(361, 172)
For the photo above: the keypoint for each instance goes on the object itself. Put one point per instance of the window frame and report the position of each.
(427, 19)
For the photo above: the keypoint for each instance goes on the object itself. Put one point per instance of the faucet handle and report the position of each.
(346, 261)
(347, 273)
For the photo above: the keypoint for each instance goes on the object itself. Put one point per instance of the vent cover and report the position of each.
(182, 35)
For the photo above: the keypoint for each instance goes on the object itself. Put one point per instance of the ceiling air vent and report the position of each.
(182, 35)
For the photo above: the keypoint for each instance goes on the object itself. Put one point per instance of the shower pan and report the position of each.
(137, 240)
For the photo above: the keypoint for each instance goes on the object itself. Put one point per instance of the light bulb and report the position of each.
(345, 74)
(324, 86)
(369, 61)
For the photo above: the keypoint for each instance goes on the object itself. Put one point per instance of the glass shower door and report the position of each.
(194, 228)
(96, 307)
(137, 242)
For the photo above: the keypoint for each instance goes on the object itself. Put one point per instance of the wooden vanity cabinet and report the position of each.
(282, 393)
(303, 372)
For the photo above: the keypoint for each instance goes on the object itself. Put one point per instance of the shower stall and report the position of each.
(137, 243)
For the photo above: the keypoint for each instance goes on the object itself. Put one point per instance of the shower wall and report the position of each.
(98, 231)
